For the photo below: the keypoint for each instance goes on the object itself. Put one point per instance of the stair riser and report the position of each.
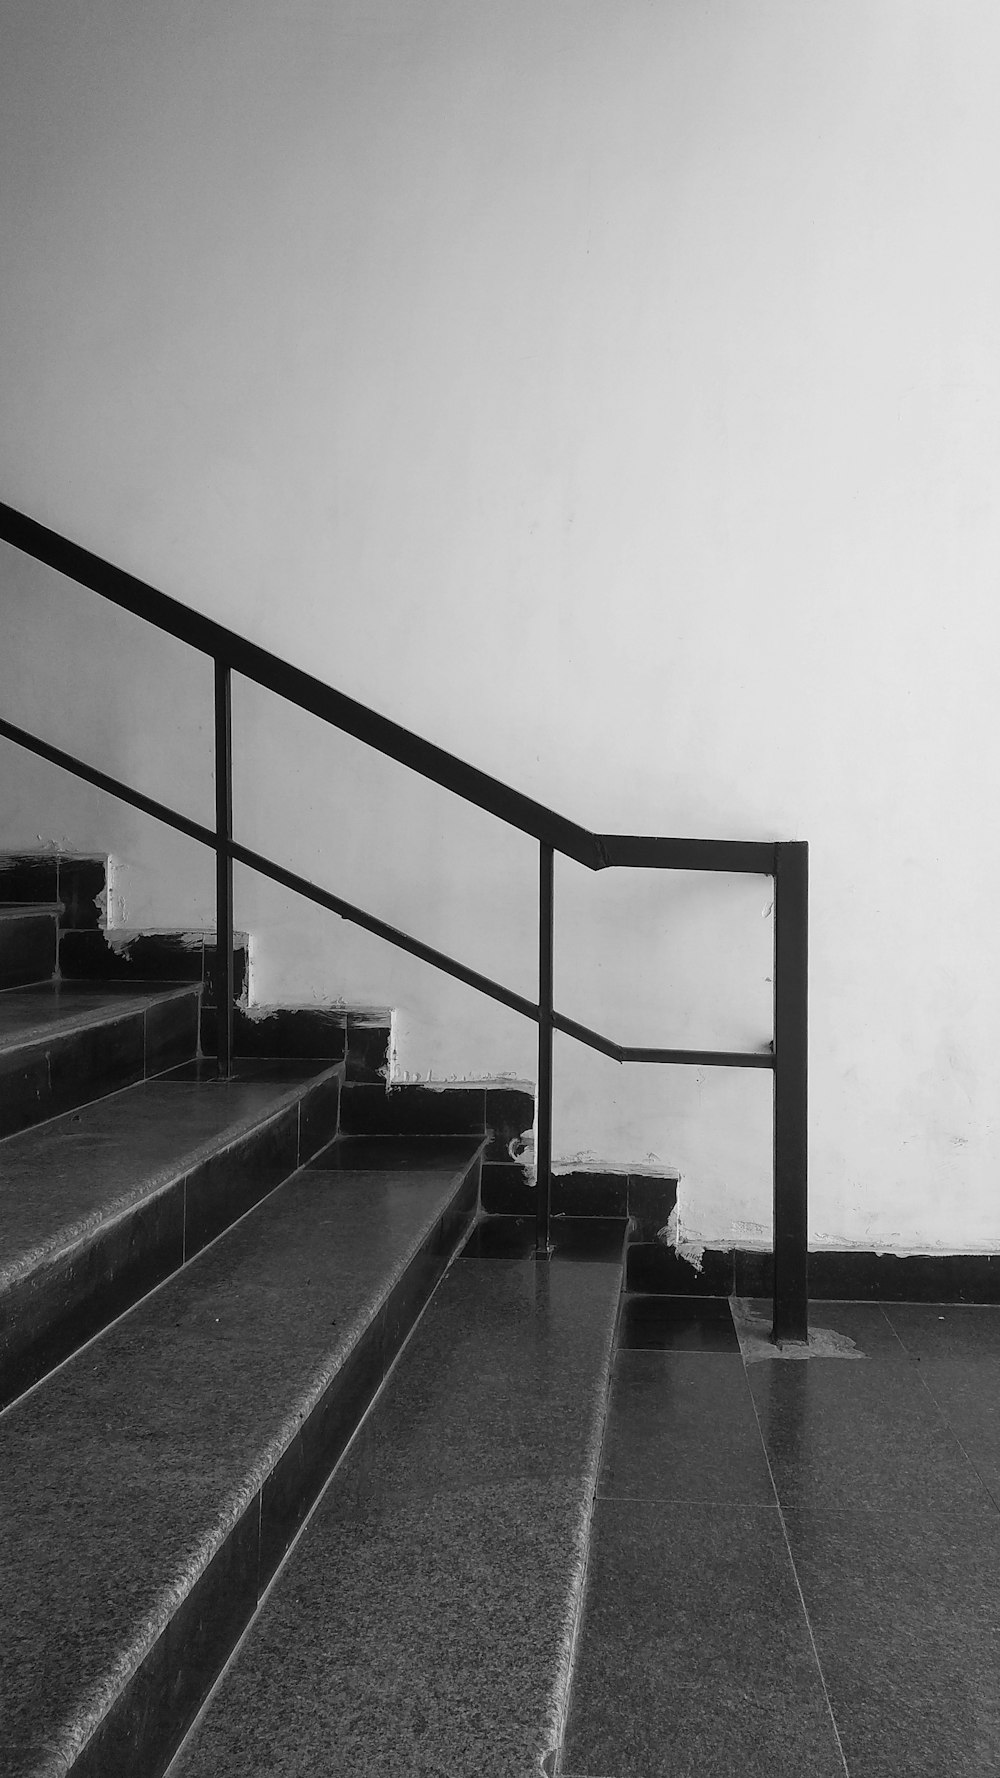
(27, 949)
(42, 1080)
(62, 1305)
(146, 1724)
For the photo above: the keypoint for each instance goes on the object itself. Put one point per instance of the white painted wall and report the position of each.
(610, 393)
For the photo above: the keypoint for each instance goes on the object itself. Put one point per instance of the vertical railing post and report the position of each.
(543, 1157)
(791, 1075)
(224, 869)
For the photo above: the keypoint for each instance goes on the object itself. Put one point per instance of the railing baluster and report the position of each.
(224, 868)
(791, 1070)
(543, 1158)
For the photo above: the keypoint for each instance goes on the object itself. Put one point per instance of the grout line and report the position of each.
(571, 1643)
(795, 1576)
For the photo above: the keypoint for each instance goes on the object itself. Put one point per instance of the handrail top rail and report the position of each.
(594, 850)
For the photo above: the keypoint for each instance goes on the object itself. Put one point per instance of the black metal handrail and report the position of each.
(784, 860)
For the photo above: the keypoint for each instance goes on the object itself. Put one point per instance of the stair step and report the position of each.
(153, 1483)
(29, 937)
(424, 1622)
(63, 1043)
(102, 1203)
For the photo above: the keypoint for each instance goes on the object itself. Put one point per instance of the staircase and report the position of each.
(245, 1393)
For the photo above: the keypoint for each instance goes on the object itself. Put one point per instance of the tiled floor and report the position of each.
(795, 1567)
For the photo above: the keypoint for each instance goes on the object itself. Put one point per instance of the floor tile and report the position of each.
(694, 1653)
(681, 1426)
(947, 1330)
(597, 1238)
(361, 1154)
(904, 1610)
(858, 1435)
(968, 1395)
(864, 1324)
(677, 1324)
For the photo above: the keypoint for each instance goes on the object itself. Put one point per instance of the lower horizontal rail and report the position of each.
(625, 1052)
(370, 923)
(266, 867)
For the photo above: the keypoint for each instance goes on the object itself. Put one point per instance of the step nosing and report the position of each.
(85, 1231)
(83, 1715)
(60, 1025)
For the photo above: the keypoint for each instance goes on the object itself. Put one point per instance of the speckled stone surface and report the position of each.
(62, 1045)
(421, 1625)
(127, 1470)
(904, 1611)
(54, 1009)
(695, 1656)
(61, 1180)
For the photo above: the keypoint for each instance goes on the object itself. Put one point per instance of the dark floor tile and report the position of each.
(211, 968)
(947, 1330)
(82, 883)
(968, 1396)
(132, 956)
(413, 1111)
(864, 1324)
(29, 876)
(655, 1267)
(676, 1324)
(367, 1053)
(651, 1198)
(226, 1185)
(315, 1032)
(395, 1154)
(319, 1110)
(108, 1056)
(903, 1609)
(769, 1731)
(507, 1189)
(598, 1238)
(271, 1070)
(681, 1426)
(171, 1033)
(906, 1278)
(694, 1652)
(301, 1472)
(27, 946)
(510, 1114)
(856, 1435)
(590, 1194)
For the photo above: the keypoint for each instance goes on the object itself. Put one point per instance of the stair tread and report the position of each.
(44, 1010)
(63, 1179)
(125, 1470)
(423, 1622)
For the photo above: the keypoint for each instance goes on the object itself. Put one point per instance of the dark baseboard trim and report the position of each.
(834, 1275)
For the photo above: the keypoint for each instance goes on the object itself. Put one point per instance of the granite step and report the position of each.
(424, 1622)
(102, 1203)
(154, 1482)
(64, 1043)
(29, 936)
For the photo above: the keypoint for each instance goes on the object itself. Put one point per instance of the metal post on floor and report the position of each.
(543, 1157)
(224, 869)
(791, 1075)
